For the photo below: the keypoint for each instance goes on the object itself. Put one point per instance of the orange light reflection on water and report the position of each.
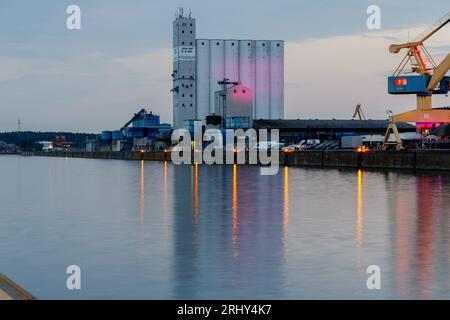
(142, 195)
(234, 230)
(359, 212)
(286, 208)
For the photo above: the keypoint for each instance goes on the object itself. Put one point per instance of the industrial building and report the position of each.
(202, 68)
(142, 132)
(293, 131)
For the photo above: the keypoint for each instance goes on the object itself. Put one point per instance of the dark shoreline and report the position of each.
(436, 160)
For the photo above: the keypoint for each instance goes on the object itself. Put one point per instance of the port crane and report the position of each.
(424, 78)
(359, 112)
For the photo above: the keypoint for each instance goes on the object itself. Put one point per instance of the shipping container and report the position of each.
(351, 142)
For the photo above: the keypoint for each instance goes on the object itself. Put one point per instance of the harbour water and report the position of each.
(153, 230)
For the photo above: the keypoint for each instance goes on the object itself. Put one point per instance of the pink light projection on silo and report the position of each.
(258, 65)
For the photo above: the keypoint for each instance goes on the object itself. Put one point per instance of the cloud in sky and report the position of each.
(54, 79)
(338, 72)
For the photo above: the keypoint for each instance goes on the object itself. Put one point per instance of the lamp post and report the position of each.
(224, 83)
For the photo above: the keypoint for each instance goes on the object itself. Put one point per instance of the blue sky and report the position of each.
(95, 78)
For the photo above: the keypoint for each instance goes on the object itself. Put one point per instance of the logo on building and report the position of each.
(183, 53)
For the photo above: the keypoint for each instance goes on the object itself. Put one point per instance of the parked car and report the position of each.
(320, 146)
(311, 144)
(332, 146)
(289, 148)
(323, 145)
(307, 144)
(300, 145)
(266, 145)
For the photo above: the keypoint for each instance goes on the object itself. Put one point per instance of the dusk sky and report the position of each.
(95, 78)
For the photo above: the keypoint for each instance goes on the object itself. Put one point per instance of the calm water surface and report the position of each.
(151, 230)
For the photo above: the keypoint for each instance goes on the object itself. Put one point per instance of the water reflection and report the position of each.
(142, 195)
(235, 208)
(185, 245)
(223, 232)
(421, 235)
(285, 209)
(195, 191)
(401, 241)
(424, 239)
(165, 193)
(359, 213)
(234, 237)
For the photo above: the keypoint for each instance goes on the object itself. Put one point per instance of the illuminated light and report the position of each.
(362, 149)
(428, 125)
(142, 151)
(400, 82)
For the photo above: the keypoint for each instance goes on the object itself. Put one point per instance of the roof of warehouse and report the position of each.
(327, 124)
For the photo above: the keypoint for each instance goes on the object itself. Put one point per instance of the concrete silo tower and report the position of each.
(184, 70)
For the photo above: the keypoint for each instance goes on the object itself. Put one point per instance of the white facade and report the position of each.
(203, 69)
(247, 66)
(276, 81)
(199, 64)
(255, 64)
(184, 70)
(231, 60)
(262, 83)
(216, 69)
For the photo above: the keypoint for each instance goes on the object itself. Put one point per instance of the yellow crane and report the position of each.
(359, 112)
(428, 78)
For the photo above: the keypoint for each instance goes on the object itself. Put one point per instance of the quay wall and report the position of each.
(410, 160)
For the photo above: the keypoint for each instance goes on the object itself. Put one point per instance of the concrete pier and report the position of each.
(409, 160)
(11, 291)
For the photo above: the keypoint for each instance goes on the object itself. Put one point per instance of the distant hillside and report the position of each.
(18, 138)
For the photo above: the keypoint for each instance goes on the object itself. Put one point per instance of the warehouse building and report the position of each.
(200, 64)
(294, 131)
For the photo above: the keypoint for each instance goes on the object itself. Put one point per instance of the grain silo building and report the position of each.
(199, 64)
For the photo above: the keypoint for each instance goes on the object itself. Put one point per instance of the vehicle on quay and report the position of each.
(266, 145)
(289, 148)
(307, 144)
